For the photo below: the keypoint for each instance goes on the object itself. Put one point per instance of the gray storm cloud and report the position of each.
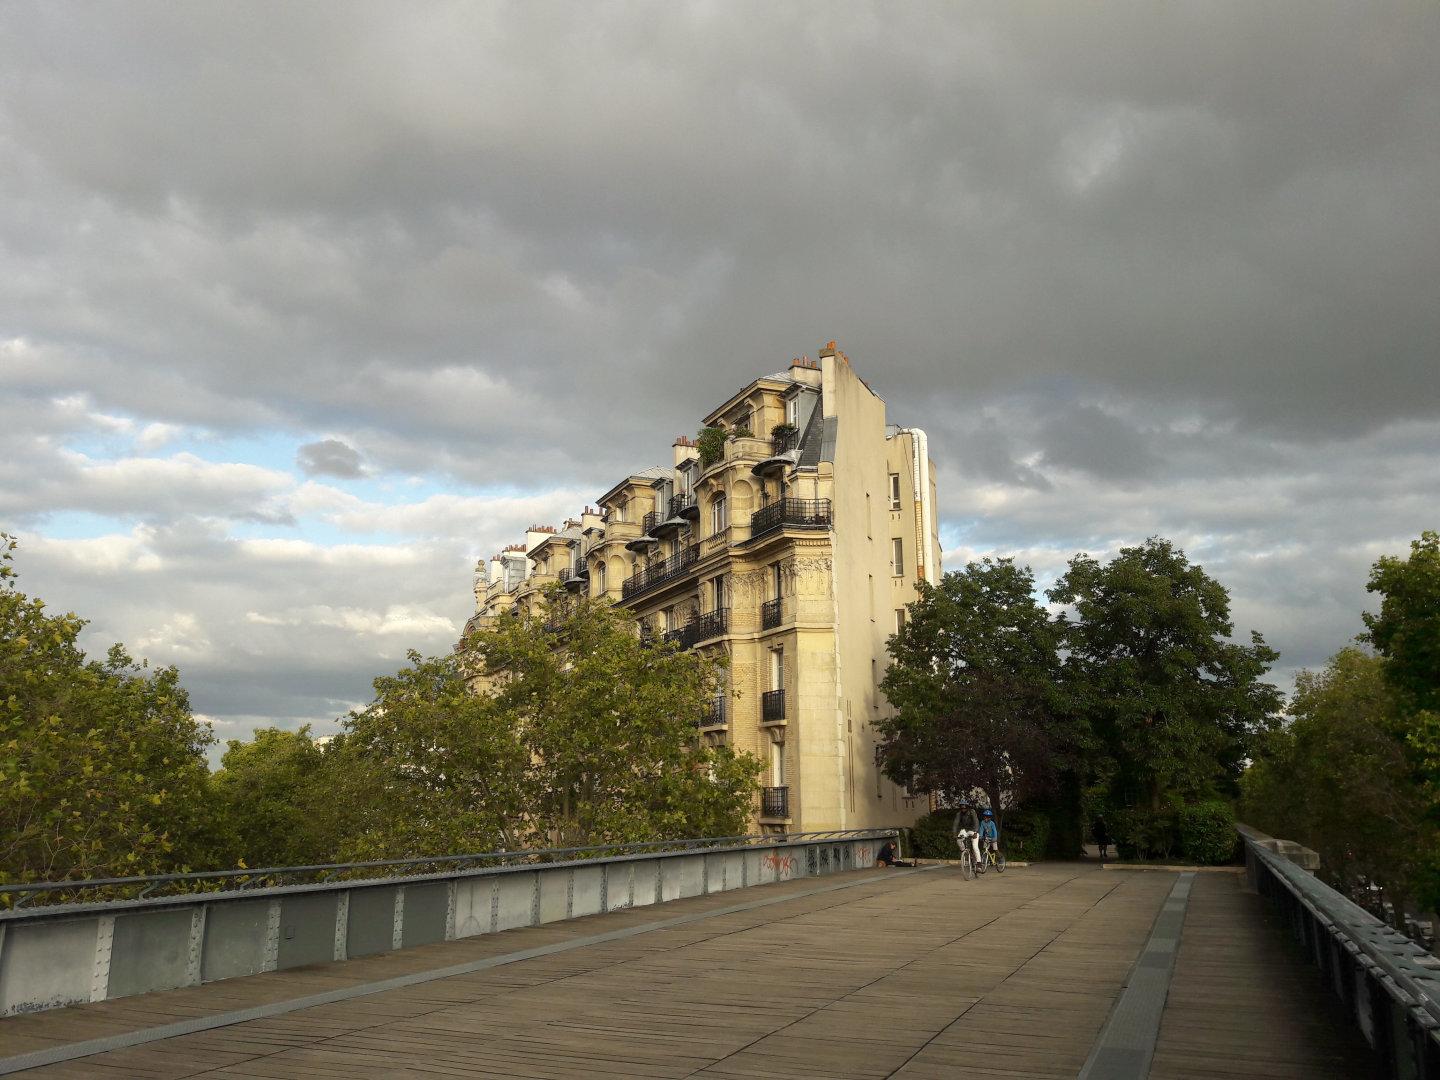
(1136, 269)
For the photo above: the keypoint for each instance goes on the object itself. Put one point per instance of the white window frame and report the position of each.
(719, 514)
(897, 557)
(894, 491)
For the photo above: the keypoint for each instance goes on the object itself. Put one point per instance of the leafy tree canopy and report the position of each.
(102, 766)
(273, 794)
(1335, 780)
(1406, 631)
(972, 679)
(1173, 704)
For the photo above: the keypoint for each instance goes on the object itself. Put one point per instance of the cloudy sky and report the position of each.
(303, 307)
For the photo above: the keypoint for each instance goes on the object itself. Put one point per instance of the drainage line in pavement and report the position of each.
(1126, 1044)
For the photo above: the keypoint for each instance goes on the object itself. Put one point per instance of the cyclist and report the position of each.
(967, 828)
(989, 831)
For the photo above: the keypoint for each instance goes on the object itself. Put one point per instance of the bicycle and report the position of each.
(991, 855)
(967, 854)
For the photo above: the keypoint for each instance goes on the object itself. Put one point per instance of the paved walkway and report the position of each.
(870, 974)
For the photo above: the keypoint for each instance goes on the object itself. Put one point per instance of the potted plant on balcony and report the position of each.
(784, 436)
(710, 442)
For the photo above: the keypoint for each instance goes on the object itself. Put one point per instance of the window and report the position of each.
(897, 557)
(777, 669)
(622, 507)
(777, 764)
(894, 491)
(599, 578)
(719, 515)
(791, 410)
(899, 619)
(775, 581)
(718, 593)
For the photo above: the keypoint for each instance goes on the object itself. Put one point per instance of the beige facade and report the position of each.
(794, 554)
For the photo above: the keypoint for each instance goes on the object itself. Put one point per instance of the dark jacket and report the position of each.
(966, 819)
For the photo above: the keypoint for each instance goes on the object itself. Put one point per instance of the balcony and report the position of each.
(574, 578)
(770, 614)
(791, 513)
(683, 506)
(657, 574)
(701, 628)
(775, 802)
(713, 715)
(772, 706)
(647, 532)
(784, 450)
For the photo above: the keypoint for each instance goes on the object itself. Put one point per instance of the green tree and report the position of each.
(972, 679)
(557, 730)
(273, 793)
(608, 721)
(1335, 779)
(1406, 632)
(102, 765)
(1172, 704)
(429, 768)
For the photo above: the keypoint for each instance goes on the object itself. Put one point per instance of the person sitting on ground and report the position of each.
(989, 831)
(967, 828)
(890, 856)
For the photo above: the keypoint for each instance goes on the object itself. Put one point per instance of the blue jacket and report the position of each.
(988, 830)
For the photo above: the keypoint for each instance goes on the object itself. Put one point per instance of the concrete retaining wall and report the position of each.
(57, 956)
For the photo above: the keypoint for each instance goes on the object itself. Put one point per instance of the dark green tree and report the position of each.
(1172, 704)
(973, 680)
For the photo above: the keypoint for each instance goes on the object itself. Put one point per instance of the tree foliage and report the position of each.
(102, 765)
(1173, 705)
(581, 733)
(972, 680)
(1335, 778)
(273, 795)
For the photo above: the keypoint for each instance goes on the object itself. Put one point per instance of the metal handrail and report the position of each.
(1391, 965)
(524, 856)
(804, 513)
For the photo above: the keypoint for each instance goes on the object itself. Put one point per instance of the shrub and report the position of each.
(1207, 833)
(1141, 833)
(710, 441)
(1025, 834)
(931, 837)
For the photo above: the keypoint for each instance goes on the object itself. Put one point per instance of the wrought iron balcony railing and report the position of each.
(676, 566)
(713, 715)
(701, 628)
(772, 705)
(649, 521)
(775, 802)
(679, 504)
(801, 513)
(770, 614)
(784, 441)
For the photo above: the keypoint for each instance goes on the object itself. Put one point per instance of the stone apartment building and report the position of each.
(794, 551)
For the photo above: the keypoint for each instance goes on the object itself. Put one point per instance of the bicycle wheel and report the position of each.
(983, 864)
(967, 868)
(999, 864)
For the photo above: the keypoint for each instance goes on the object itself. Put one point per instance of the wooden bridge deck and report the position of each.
(870, 974)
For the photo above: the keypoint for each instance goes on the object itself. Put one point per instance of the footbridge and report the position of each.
(744, 957)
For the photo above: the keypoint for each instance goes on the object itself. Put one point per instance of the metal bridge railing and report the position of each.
(33, 895)
(1388, 983)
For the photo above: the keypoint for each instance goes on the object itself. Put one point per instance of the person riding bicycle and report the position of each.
(989, 831)
(967, 828)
